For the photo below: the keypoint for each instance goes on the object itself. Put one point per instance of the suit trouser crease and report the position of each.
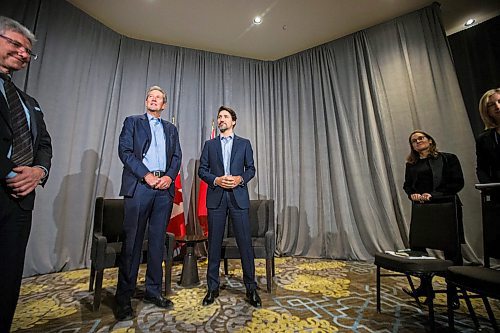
(151, 208)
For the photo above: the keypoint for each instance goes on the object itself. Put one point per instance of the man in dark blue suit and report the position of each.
(151, 154)
(25, 159)
(226, 165)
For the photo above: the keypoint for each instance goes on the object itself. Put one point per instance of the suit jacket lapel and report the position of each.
(218, 149)
(166, 131)
(234, 150)
(147, 129)
(437, 170)
(4, 111)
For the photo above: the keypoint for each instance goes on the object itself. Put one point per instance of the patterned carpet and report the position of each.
(309, 296)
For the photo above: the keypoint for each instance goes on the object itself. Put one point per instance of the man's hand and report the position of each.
(228, 181)
(164, 183)
(25, 181)
(151, 180)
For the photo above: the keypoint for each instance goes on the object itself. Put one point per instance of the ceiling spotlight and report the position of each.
(469, 22)
(257, 20)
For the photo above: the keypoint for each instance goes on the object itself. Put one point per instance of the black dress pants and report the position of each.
(15, 226)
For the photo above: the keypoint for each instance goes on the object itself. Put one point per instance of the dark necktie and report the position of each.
(22, 146)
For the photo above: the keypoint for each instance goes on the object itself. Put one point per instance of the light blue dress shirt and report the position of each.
(155, 158)
(227, 146)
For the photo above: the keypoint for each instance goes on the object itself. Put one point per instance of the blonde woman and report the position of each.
(488, 142)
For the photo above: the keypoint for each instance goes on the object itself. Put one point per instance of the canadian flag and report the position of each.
(202, 198)
(176, 224)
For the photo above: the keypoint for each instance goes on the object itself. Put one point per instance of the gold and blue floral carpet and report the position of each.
(308, 295)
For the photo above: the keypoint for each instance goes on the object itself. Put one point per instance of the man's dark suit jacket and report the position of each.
(488, 157)
(212, 166)
(42, 147)
(135, 140)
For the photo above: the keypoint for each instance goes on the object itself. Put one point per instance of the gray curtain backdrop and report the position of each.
(329, 127)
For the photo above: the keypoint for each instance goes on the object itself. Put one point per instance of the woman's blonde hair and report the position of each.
(483, 109)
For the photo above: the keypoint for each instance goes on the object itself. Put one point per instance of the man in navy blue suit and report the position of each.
(151, 154)
(226, 165)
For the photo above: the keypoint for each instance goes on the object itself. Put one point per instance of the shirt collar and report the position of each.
(229, 136)
(151, 117)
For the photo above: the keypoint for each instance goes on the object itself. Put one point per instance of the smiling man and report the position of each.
(25, 155)
(151, 154)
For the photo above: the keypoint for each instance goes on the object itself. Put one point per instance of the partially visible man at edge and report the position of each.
(25, 157)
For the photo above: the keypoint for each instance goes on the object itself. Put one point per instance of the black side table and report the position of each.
(189, 275)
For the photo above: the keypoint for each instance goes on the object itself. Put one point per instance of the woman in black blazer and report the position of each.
(488, 142)
(431, 174)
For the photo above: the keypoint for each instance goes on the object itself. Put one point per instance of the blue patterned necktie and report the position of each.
(22, 145)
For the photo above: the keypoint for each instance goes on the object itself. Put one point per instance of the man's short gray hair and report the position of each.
(160, 90)
(8, 24)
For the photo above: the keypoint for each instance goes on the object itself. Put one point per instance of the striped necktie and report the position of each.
(22, 146)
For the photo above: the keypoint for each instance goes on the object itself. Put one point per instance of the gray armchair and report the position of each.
(263, 237)
(107, 245)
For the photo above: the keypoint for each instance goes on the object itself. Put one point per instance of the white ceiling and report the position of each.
(289, 26)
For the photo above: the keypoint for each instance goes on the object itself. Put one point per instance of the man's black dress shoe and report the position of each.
(253, 298)
(159, 301)
(210, 297)
(124, 312)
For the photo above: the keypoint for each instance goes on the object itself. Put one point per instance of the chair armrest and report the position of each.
(270, 243)
(98, 251)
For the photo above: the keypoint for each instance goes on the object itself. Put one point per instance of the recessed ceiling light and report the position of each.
(469, 22)
(257, 20)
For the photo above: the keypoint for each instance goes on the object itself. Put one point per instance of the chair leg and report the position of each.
(168, 277)
(98, 290)
(269, 274)
(430, 299)
(412, 287)
(225, 266)
(451, 314)
(91, 279)
(274, 272)
(491, 315)
(431, 316)
(169, 262)
(378, 289)
(471, 309)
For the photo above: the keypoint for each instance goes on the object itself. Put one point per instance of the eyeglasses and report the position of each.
(419, 138)
(20, 46)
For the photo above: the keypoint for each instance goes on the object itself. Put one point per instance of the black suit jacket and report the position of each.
(42, 147)
(488, 157)
(447, 175)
